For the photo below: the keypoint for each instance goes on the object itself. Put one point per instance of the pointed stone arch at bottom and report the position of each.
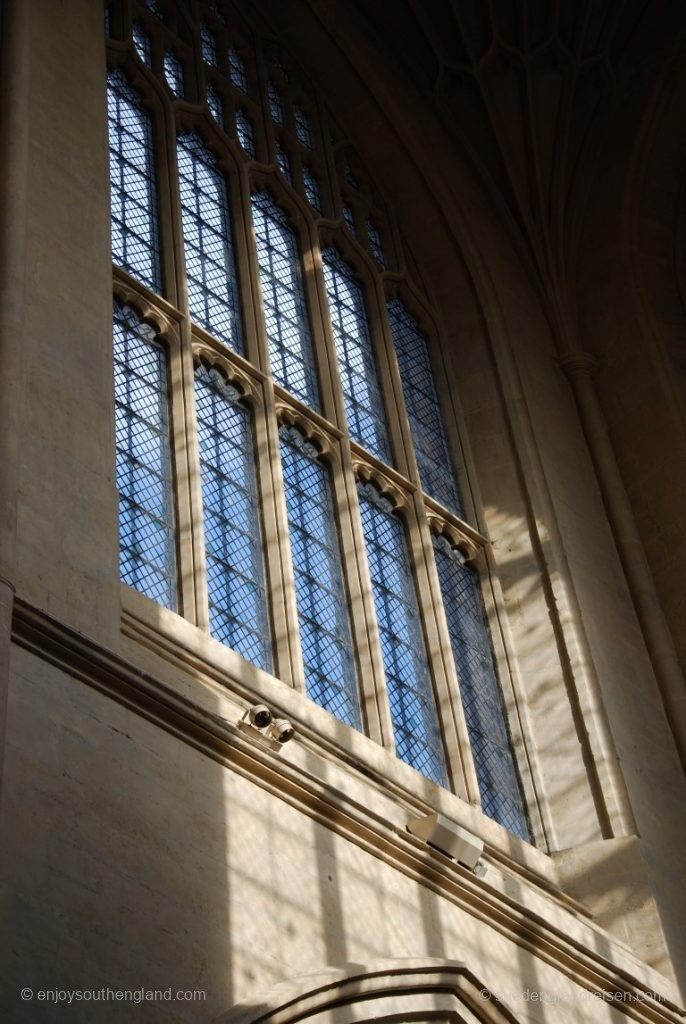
(394, 991)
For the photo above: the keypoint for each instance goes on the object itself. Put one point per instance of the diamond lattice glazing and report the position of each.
(328, 658)
(208, 249)
(285, 310)
(423, 411)
(233, 547)
(410, 692)
(143, 466)
(133, 195)
(359, 374)
(499, 784)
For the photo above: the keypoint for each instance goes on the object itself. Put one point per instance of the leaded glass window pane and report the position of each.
(173, 74)
(499, 784)
(237, 72)
(312, 190)
(349, 218)
(357, 364)
(303, 127)
(244, 131)
(143, 460)
(210, 266)
(275, 104)
(285, 311)
(215, 105)
(154, 8)
(284, 162)
(375, 244)
(208, 46)
(410, 692)
(350, 177)
(423, 411)
(133, 193)
(141, 44)
(328, 658)
(233, 547)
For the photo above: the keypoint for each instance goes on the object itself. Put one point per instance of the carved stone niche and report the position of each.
(385, 990)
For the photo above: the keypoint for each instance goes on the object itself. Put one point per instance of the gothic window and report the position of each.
(349, 218)
(328, 659)
(143, 460)
(208, 46)
(359, 374)
(375, 243)
(275, 104)
(303, 127)
(214, 102)
(237, 70)
(208, 248)
(312, 190)
(284, 162)
(233, 550)
(292, 510)
(423, 410)
(133, 196)
(173, 74)
(413, 710)
(288, 331)
(244, 132)
(499, 784)
(141, 44)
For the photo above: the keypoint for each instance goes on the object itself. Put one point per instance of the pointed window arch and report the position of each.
(233, 547)
(208, 243)
(285, 309)
(147, 557)
(408, 680)
(423, 411)
(357, 363)
(315, 550)
(328, 658)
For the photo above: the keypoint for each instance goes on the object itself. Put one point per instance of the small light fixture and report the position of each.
(451, 839)
(259, 723)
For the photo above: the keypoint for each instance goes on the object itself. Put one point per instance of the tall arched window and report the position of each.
(233, 549)
(328, 658)
(423, 410)
(359, 374)
(410, 694)
(285, 310)
(499, 783)
(144, 478)
(208, 245)
(315, 461)
(133, 193)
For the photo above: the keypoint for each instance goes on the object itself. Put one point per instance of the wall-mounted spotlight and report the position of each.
(450, 838)
(281, 730)
(259, 722)
(260, 716)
